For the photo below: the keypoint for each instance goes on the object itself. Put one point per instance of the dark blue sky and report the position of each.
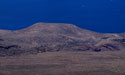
(97, 15)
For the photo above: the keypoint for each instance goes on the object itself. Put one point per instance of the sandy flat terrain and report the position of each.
(65, 63)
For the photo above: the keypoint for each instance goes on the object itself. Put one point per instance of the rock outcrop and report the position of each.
(43, 37)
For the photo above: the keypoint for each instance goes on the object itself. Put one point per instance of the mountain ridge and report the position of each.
(44, 37)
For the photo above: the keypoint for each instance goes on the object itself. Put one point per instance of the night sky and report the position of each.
(96, 15)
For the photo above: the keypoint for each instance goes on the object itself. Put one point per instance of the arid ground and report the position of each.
(65, 63)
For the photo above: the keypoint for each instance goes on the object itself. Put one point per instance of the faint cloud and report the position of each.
(110, 0)
(83, 5)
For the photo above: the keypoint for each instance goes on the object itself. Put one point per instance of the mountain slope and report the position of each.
(42, 37)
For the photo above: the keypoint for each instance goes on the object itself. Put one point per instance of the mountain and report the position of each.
(43, 37)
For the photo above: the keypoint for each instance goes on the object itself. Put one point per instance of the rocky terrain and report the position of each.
(52, 37)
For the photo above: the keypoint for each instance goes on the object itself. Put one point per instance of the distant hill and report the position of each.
(43, 37)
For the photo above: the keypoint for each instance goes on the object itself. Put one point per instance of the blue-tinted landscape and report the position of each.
(96, 15)
(49, 37)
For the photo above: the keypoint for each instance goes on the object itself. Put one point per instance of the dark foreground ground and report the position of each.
(65, 63)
